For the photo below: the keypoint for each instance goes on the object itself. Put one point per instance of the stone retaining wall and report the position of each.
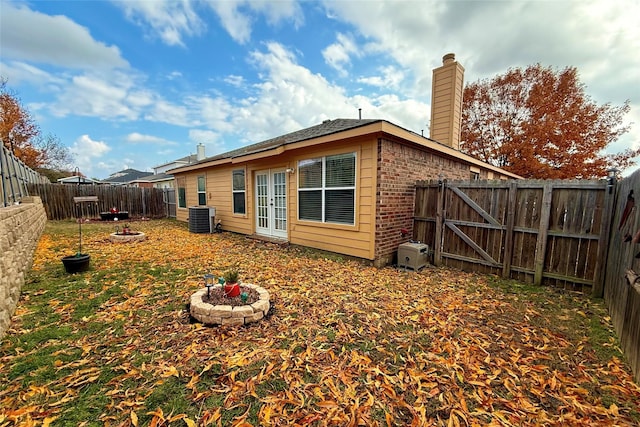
(20, 229)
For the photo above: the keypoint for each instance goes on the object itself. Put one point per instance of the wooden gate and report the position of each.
(543, 232)
(169, 197)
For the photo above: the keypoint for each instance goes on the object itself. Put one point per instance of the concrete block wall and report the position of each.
(20, 229)
(400, 166)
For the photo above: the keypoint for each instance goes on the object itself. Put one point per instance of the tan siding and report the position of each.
(350, 240)
(356, 240)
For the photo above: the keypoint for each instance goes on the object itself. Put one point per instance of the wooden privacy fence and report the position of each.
(544, 232)
(139, 202)
(622, 290)
(14, 176)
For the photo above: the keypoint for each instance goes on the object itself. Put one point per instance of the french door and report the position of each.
(271, 203)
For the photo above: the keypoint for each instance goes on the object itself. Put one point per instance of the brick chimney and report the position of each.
(446, 102)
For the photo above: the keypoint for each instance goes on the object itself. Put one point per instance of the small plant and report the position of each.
(231, 276)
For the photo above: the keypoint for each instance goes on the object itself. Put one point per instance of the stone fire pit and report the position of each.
(226, 314)
(131, 236)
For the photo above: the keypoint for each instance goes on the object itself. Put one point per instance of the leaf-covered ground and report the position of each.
(345, 344)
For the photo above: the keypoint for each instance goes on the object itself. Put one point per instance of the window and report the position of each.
(239, 204)
(475, 173)
(326, 189)
(202, 191)
(182, 193)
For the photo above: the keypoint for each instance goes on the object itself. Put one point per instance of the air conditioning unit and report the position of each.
(413, 255)
(202, 219)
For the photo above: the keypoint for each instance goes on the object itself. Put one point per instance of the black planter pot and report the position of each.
(76, 263)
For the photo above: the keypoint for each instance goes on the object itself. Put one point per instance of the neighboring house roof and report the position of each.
(276, 145)
(154, 178)
(187, 160)
(124, 176)
(77, 180)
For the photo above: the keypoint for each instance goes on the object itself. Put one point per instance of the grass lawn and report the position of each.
(345, 344)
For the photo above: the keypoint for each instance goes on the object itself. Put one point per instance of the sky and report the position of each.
(137, 84)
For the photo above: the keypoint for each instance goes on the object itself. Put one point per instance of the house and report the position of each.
(163, 180)
(344, 185)
(187, 160)
(158, 180)
(77, 180)
(124, 177)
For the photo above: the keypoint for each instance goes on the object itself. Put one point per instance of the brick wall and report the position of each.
(400, 166)
(20, 229)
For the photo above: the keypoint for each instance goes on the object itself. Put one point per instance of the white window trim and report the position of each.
(204, 191)
(234, 192)
(324, 189)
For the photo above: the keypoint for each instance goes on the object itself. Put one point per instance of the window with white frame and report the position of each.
(239, 192)
(326, 189)
(202, 191)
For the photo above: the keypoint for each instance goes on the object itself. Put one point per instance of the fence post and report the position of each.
(2, 174)
(543, 233)
(144, 205)
(610, 195)
(508, 238)
(440, 213)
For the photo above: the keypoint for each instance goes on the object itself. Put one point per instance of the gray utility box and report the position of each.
(413, 255)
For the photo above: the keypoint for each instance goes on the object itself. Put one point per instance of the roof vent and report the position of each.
(326, 121)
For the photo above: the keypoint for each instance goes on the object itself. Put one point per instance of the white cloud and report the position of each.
(87, 152)
(233, 80)
(214, 113)
(277, 12)
(390, 77)
(104, 96)
(170, 20)
(164, 111)
(173, 20)
(237, 16)
(290, 97)
(338, 54)
(18, 72)
(56, 40)
(139, 138)
(203, 136)
(237, 24)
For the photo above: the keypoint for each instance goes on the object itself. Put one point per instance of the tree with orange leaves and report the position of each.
(539, 123)
(17, 128)
(21, 135)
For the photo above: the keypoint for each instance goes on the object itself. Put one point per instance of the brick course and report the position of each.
(400, 166)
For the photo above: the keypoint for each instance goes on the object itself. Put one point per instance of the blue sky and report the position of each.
(135, 84)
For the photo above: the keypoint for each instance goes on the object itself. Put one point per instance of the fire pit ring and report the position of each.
(131, 236)
(229, 315)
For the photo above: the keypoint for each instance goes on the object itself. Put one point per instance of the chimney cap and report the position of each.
(449, 57)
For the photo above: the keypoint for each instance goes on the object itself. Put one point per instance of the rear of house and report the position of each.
(344, 185)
